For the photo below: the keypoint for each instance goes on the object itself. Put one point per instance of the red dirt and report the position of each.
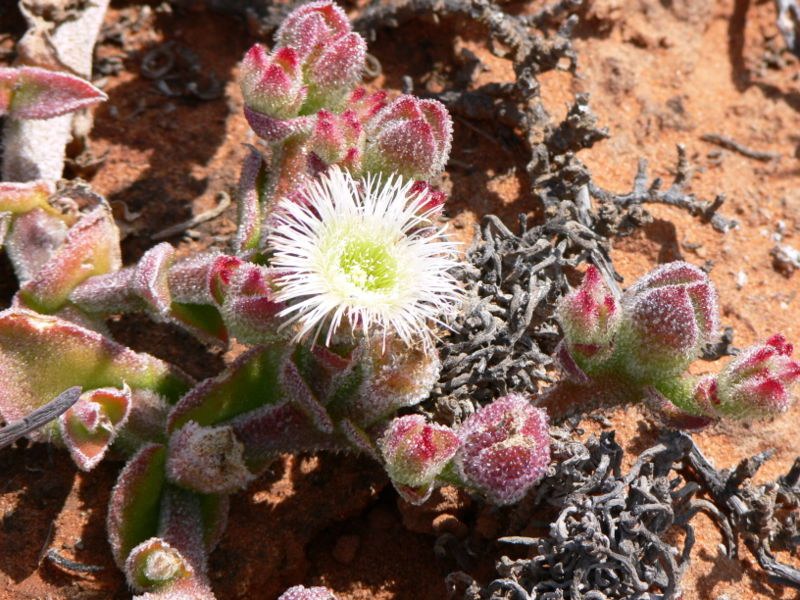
(659, 73)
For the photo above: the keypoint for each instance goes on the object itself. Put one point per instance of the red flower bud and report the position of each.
(590, 318)
(409, 136)
(505, 448)
(415, 452)
(669, 315)
(311, 27)
(335, 136)
(272, 84)
(758, 382)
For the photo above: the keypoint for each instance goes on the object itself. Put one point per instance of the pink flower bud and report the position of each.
(415, 452)
(366, 105)
(272, 84)
(757, 383)
(669, 315)
(332, 76)
(312, 27)
(590, 318)
(505, 448)
(300, 592)
(335, 136)
(409, 136)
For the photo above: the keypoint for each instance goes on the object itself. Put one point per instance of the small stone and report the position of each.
(346, 548)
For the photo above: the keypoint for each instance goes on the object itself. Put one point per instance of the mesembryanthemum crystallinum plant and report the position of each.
(338, 280)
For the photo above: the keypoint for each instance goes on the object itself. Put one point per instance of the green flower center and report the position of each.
(368, 265)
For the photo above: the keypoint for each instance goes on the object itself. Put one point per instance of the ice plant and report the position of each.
(669, 315)
(360, 256)
(34, 93)
(337, 280)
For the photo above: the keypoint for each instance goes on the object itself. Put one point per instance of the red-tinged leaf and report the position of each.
(90, 248)
(133, 511)
(150, 279)
(250, 310)
(203, 279)
(358, 438)
(278, 130)
(182, 525)
(41, 356)
(20, 198)
(108, 293)
(214, 509)
(298, 391)
(271, 430)
(91, 425)
(34, 93)
(249, 382)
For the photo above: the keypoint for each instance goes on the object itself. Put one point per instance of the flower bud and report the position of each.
(590, 318)
(272, 84)
(311, 27)
(505, 448)
(668, 316)
(393, 376)
(331, 54)
(332, 77)
(757, 383)
(415, 452)
(335, 137)
(409, 136)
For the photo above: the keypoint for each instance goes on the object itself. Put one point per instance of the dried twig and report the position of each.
(730, 144)
(224, 201)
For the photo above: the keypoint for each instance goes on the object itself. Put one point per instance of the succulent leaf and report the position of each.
(133, 512)
(40, 356)
(35, 93)
(91, 247)
(91, 425)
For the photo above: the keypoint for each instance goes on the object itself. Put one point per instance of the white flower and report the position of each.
(365, 252)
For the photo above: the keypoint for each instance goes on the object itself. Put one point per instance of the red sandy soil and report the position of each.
(659, 73)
